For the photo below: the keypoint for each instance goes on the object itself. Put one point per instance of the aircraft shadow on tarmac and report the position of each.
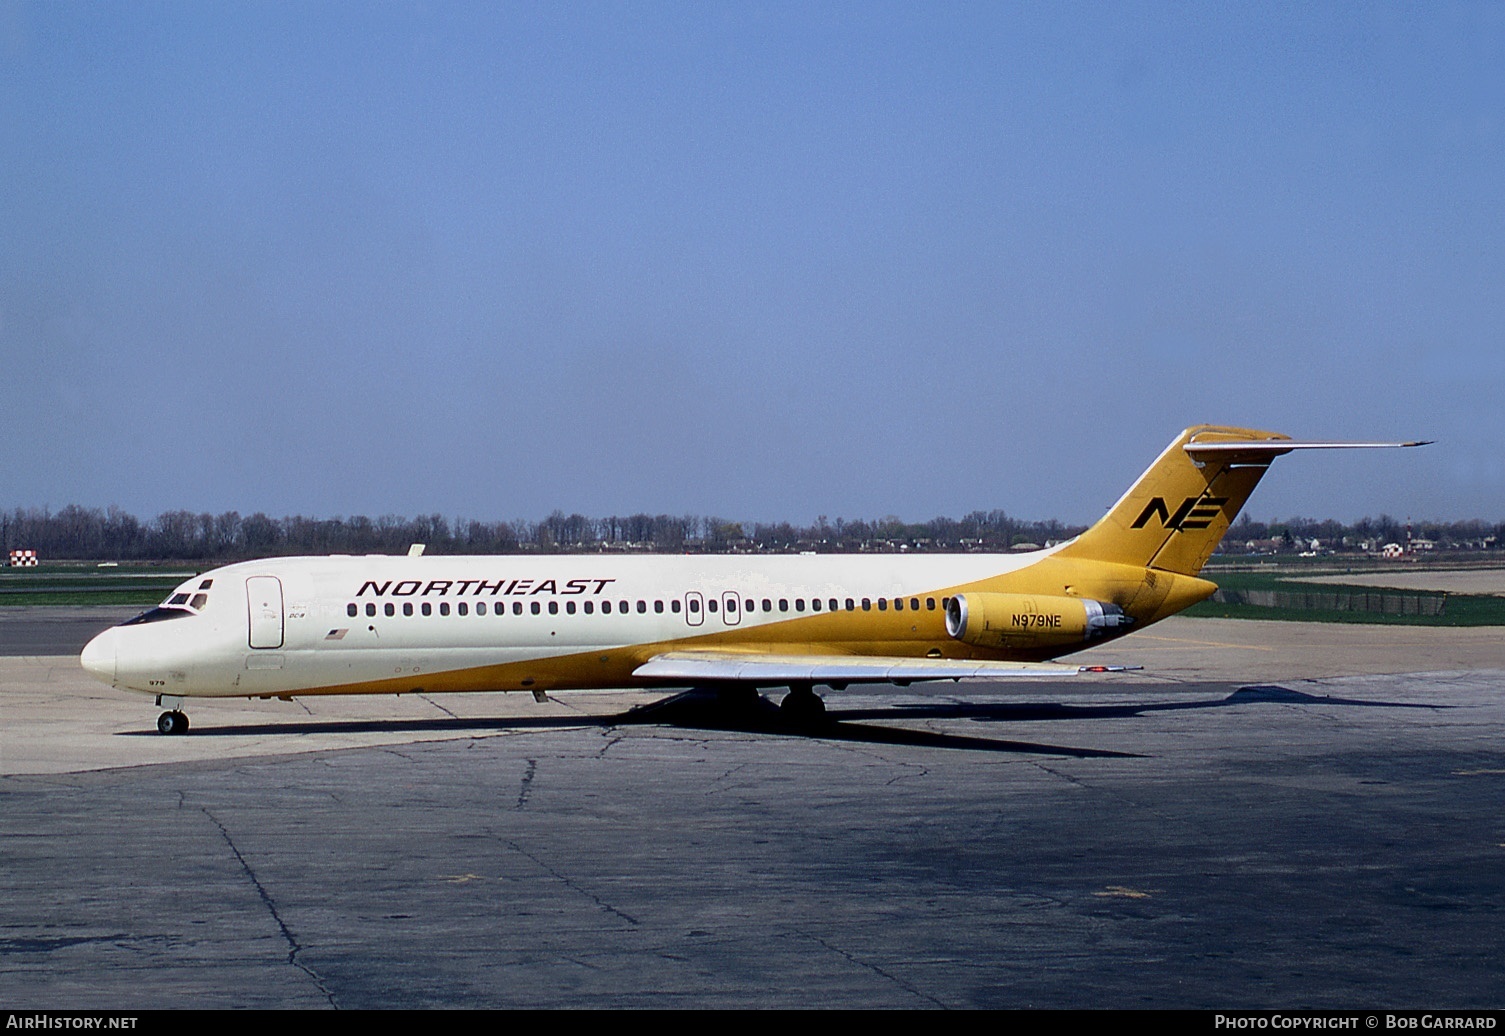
(753, 713)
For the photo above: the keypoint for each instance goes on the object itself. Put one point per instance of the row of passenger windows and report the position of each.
(624, 607)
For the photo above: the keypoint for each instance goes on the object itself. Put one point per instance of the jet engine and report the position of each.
(1030, 620)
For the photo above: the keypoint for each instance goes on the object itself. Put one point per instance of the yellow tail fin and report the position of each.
(1174, 516)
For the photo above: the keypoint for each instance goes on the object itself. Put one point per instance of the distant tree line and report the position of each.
(79, 533)
(1367, 534)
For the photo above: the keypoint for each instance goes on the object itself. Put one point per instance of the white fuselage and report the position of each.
(383, 624)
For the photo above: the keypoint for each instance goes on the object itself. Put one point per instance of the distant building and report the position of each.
(23, 559)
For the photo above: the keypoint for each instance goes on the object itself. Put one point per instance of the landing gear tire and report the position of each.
(172, 723)
(803, 707)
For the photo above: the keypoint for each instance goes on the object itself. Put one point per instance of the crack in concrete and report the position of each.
(1068, 778)
(572, 886)
(875, 969)
(293, 948)
(441, 708)
(921, 771)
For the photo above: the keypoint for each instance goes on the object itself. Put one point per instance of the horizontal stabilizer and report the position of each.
(1277, 447)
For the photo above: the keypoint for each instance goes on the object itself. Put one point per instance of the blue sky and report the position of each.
(762, 261)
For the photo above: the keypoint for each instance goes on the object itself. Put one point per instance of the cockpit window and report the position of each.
(192, 602)
(158, 614)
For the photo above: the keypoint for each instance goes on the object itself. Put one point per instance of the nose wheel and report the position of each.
(172, 723)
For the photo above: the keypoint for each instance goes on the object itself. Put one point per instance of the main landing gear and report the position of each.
(172, 723)
(802, 706)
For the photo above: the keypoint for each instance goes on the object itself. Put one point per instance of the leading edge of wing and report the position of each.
(760, 668)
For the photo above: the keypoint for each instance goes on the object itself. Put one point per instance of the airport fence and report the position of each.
(1372, 601)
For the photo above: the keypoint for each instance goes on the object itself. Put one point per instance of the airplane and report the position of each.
(394, 624)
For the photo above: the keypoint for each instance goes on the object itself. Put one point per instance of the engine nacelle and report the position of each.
(1030, 620)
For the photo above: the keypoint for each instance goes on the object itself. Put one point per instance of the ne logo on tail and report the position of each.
(1195, 512)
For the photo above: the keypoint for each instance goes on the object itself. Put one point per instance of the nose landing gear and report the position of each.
(172, 723)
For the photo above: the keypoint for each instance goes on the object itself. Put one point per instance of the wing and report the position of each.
(775, 669)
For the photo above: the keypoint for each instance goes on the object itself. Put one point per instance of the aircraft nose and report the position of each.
(99, 656)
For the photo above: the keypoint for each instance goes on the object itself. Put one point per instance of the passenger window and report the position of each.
(783, 604)
(815, 604)
(443, 607)
(536, 608)
(517, 607)
(749, 605)
(867, 604)
(553, 607)
(605, 607)
(407, 607)
(674, 606)
(851, 605)
(694, 606)
(590, 607)
(898, 604)
(642, 607)
(835, 604)
(390, 609)
(658, 606)
(462, 609)
(710, 605)
(569, 607)
(914, 604)
(370, 610)
(428, 609)
(930, 604)
(767, 605)
(799, 604)
(731, 604)
(480, 607)
(882, 605)
(351, 610)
